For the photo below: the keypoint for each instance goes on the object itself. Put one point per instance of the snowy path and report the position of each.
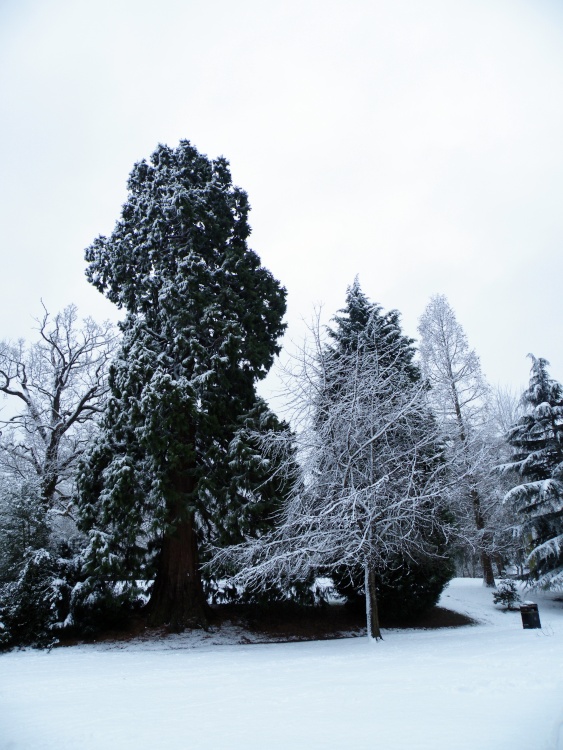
(493, 686)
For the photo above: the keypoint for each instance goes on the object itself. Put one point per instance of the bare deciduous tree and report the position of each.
(56, 386)
(461, 399)
(507, 408)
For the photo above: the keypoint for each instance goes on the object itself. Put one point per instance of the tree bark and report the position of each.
(486, 561)
(488, 573)
(177, 598)
(499, 562)
(372, 611)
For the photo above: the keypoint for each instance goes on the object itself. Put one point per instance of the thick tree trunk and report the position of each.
(486, 561)
(372, 611)
(177, 599)
(488, 573)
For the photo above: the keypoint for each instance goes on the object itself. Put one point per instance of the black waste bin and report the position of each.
(530, 616)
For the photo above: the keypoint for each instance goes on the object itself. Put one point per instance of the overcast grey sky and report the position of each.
(417, 144)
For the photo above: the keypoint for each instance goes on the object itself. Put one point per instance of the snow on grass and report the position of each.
(491, 686)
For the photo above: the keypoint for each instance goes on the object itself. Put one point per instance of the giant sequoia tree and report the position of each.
(203, 319)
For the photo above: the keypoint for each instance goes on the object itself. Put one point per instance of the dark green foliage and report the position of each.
(255, 483)
(49, 600)
(364, 323)
(34, 590)
(537, 441)
(202, 326)
(412, 588)
(406, 589)
(23, 526)
(97, 605)
(33, 608)
(116, 480)
(249, 503)
(39, 566)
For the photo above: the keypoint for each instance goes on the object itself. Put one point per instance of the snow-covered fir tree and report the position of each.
(537, 443)
(203, 320)
(364, 323)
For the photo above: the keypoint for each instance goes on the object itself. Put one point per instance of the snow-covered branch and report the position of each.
(60, 384)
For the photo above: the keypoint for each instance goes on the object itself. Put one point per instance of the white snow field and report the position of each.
(492, 686)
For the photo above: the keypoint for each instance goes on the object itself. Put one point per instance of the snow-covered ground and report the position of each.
(492, 686)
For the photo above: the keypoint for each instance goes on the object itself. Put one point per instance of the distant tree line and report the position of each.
(140, 472)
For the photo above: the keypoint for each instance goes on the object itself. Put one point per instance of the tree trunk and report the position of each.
(486, 561)
(499, 562)
(488, 573)
(372, 612)
(177, 599)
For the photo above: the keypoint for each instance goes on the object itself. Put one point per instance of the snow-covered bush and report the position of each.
(23, 525)
(34, 606)
(99, 605)
(507, 594)
(405, 590)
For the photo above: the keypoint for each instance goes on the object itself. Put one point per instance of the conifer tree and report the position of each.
(537, 442)
(363, 323)
(203, 319)
(405, 585)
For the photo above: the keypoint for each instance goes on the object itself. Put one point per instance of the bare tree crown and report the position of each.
(56, 385)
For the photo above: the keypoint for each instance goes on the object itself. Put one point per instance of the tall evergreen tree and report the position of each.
(537, 442)
(202, 327)
(364, 323)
